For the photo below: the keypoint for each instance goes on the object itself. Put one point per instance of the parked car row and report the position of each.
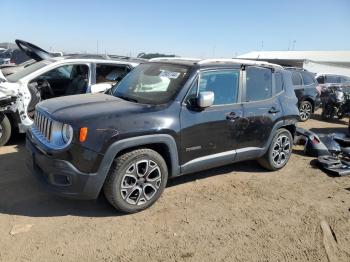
(12, 56)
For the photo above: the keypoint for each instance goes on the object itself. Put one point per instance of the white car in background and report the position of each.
(54, 77)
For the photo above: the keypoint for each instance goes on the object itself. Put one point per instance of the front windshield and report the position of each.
(152, 83)
(15, 77)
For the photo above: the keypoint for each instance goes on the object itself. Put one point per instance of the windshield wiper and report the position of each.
(128, 98)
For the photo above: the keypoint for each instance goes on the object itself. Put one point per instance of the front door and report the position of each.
(210, 134)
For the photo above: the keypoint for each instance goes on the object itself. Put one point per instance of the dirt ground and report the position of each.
(234, 213)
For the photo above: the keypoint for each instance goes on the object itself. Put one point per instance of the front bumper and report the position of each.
(60, 176)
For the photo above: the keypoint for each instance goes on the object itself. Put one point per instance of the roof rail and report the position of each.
(242, 61)
(174, 58)
(296, 68)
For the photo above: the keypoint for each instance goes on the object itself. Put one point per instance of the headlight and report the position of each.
(67, 133)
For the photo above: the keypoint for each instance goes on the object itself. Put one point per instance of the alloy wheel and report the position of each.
(281, 150)
(305, 111)
(141, 182)
(1, 131)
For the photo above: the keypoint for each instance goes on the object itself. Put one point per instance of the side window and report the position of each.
(308, 79)
(332, 79)
(62, 72)
(110, 73)
(296, 79)
(67, 80)
(345, 79)
(224, 84)
(258, 84)
(278, 82)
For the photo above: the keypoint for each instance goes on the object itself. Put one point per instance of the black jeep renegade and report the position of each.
(166, 118)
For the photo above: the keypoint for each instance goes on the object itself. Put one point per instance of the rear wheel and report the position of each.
(136, 180)
(5, 131)
(305, 110)
(279, 152)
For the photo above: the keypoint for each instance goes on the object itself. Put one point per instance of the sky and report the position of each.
(192, 28)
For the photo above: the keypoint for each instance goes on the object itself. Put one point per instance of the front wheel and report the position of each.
(279, 152)
(136, 180)
(5, 131)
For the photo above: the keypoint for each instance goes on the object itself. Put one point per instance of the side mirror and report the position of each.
(100, 88)
(205, 99)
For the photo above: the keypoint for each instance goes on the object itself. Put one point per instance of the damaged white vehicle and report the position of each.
(54, 77)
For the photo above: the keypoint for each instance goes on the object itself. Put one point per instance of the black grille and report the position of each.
(43, 124)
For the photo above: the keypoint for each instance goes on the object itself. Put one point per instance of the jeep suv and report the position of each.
(305, 87)
(166, 118)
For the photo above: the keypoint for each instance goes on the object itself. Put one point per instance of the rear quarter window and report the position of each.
(308, 79)
(278, 82)
(296, 79)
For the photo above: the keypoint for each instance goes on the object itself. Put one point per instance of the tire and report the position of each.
(5, 131)
(130, 186)
(270, 159)
(305, 111)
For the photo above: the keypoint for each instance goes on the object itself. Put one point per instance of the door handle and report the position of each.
(232, 116)
(273, 110)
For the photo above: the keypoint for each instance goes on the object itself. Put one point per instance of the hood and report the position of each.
(33, 51)
(71, 109)
(2, 77)
(8, 89)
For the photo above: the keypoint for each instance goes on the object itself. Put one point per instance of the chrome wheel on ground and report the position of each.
(141, 182)
(136, 180)
(305, 110)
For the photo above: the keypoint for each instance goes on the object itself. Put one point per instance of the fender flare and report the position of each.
(120, 145)
(2, 116)
(278, 125)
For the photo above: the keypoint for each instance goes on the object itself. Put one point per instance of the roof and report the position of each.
(219, 61)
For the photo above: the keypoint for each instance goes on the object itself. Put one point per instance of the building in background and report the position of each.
(320, 62)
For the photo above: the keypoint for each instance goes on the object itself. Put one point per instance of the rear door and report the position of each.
(261, 108)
